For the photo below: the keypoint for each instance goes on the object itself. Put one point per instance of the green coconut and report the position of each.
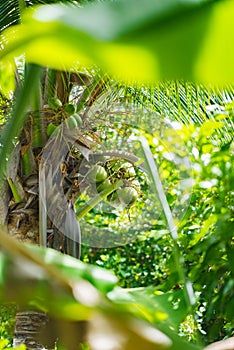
(127, 195)
(50, 129)
(69, 108)
(54, 103)
(97, 174)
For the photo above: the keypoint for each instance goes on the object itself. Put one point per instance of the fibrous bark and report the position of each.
(29, 325)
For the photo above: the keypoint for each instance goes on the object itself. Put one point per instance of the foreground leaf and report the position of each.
(73, 291)
(154, 306)
(132, 41)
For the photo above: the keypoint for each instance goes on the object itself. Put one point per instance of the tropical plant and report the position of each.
(205, 230)
(45, 95)
(46, 107)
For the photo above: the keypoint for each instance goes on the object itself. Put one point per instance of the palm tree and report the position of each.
(20, 211)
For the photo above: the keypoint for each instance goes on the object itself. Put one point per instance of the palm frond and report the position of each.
(187, 103)
(10, 13)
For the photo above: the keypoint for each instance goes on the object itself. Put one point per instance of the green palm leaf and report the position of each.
(189, 103)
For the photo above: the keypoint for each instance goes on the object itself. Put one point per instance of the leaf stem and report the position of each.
(179, 261)
(14, 191)
(16, 122)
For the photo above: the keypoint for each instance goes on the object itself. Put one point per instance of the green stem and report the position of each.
(179, 261)
(97, 199)
(16, 122)
(26, 164)
(50, 85)
(37, 117)
(14, 191)
(35, 107)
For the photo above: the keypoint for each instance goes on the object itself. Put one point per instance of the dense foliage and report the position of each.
(205, 230)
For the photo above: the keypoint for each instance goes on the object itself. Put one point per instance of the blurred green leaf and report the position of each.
(15, 124)
(39, 285)
(74, 269)
(132, 41)
(7, 79)
(2, 265)
(153, 305)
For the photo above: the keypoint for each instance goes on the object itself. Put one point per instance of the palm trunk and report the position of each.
(38, 332)
(29, 325)
(23, 217)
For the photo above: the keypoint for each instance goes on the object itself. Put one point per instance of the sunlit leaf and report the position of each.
(153, 305)
(15, 124)
(7, 79)
(36, 287)
(132, 41)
